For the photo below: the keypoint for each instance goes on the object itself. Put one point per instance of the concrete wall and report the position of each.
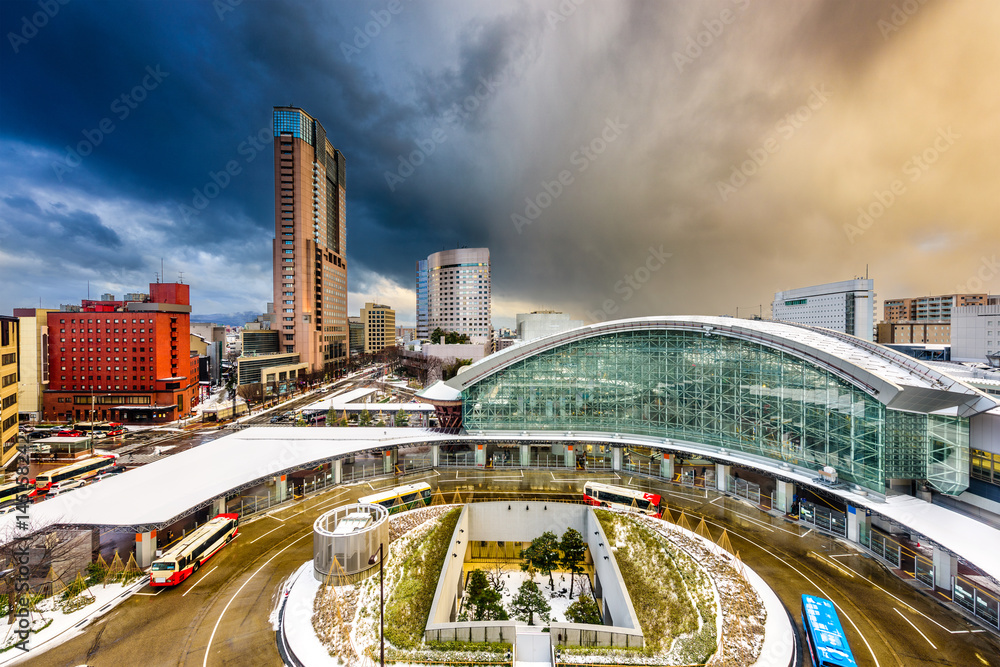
(444, 608)
(523, 522)
(614, 598)
(582, 634)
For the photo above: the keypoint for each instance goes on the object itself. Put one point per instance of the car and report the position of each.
(275, 419)
(69, 433)
(114, 433)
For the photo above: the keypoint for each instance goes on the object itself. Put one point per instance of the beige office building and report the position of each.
(34, 359)
(922, 319)
(380, 327)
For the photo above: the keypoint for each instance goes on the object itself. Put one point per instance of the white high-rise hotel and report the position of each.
(458, 293)
(847, 306)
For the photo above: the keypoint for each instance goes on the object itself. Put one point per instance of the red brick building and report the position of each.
(124, 361)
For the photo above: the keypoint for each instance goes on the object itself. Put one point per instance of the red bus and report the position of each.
(622, 498)
(184, 558)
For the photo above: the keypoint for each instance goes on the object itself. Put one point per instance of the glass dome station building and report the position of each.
(783, 393)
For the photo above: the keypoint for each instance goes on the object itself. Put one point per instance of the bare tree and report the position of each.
(251, 393)
(29, 551)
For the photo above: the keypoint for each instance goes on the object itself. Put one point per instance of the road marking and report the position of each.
(191, 587)
(276, 518)
(825, 594)
(806, 533)
(834, 564)
(914, 627)
(264, 535)
(981, 659)
(909, 606)
(152, 595)
(712, 502)
(249, 579)
(759, 523)
(843, 555)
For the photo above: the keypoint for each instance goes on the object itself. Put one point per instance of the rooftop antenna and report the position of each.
(161, 269)
(180, 277)
(88, 290)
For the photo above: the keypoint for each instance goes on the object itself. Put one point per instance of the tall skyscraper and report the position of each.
(847, 306)
(422, 332)
(458, 292)
(310, 241)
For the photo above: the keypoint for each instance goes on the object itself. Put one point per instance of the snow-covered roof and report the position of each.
(371, 407)
(170, 488)
(440, 391)
(895, 379)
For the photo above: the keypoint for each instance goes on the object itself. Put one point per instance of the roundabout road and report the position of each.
(220, 615)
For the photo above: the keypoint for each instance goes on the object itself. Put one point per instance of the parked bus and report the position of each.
(617, 497)
(10, 491)
(100, 429)
(401, 498)
(824, 636)
(184, 558)
(81, 470)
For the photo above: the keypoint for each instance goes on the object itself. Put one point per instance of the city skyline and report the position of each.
(740, 149)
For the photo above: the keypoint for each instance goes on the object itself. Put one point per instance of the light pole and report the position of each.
(381, 604)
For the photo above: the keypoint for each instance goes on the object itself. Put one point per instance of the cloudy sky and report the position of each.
(618, 158)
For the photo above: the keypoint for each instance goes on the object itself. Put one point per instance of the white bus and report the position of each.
(184, 558)
(53, 480)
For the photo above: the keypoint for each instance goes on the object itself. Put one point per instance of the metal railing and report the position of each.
(823, 518)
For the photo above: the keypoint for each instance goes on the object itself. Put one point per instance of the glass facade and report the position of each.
(294, 122)
(422, 331)
(724, 392)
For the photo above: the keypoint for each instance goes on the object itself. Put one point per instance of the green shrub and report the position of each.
(409, 604)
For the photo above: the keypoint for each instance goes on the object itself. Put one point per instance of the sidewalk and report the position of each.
(64, 627)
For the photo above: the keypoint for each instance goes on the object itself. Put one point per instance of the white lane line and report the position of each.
(914, 627)
(249, 579)
(843, 555)
(833, 563)
(191, 587)
(265, 535)
(825, 594)
(276, 518)
(712, 502)
(908, 605)
(152, 595)
(806, 533)
(759, 523)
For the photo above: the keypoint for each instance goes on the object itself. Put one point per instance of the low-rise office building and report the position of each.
(9, 335)
(380, 327)
(975, 333)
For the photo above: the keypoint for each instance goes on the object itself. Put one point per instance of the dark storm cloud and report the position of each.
(481, 106)
(67, 238)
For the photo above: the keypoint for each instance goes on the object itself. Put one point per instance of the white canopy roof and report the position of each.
(172, 487)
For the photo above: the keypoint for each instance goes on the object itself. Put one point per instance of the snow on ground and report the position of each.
(65, 626)
(558, 599)
(297, 620)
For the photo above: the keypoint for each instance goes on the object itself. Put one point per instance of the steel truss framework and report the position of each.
(725, 392)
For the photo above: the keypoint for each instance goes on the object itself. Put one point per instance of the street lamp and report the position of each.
(381, 604)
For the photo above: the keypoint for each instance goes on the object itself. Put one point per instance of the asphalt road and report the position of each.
(220, 615)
